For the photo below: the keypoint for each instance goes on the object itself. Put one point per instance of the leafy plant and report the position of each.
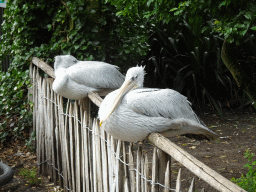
(30, 142)
(14, 106)
(248, 181)
(30, 175)
(89, 30)
(203, 18)
(229, 24)
(189, 62)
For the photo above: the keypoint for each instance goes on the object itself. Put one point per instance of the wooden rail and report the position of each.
(44, 66)
(198, 168)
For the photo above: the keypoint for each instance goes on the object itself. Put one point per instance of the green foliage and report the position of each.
(86, 30)
(230, 24)
(235, 26)
(248, 181)
(30, 143)
(189, 62)
(186, 45)
(14, 106)
(151, 9)
(30, 175)
(24, 33)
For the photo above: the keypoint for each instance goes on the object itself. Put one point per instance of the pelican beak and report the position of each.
(101, 123)
(127, 86)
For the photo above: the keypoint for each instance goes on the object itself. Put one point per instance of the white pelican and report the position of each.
(74, 79)
(131, 114)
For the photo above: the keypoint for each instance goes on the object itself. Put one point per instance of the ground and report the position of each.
(225, 156)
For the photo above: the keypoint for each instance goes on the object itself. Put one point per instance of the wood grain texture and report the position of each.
(44, 66)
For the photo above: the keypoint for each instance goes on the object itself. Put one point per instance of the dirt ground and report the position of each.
(225, 156)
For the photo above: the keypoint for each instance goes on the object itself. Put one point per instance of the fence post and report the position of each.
(86, 107)
(163, 159)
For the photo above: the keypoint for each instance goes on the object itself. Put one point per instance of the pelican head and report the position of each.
(64, 61)
(134, 79)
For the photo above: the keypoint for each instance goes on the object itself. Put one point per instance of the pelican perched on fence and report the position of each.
(75, 79)
(130, 114)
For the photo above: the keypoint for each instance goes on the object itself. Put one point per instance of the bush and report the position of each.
(248, 181)
(14, 106)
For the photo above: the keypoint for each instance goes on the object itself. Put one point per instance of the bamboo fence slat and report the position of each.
(48, 130)
(98, 158)
(178, 182)
(192, 186)
(86, 157)
(104, 161)
(117, 170)
(138, 181)
(142, 186)
(146, 172)
(167, 177)
(131, 169)
(66, 150)
(54, 159)
(154, 188)
(71, 142)
(59, 139)
(43, 125)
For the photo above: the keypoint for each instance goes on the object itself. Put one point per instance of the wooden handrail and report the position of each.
(191, 163)
(44, 66)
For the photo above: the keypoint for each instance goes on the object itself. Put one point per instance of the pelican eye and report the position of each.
(134, 77)
(75, 61)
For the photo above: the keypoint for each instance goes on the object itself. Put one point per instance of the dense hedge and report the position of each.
(86, 30)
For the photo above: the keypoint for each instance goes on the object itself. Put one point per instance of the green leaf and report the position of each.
(253, 28)
(49, 26)
(248, 16)
(173, 9)
(177, 12)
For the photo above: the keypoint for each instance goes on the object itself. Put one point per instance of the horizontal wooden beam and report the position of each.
(191, 163)
(95, 98)
(44, 66)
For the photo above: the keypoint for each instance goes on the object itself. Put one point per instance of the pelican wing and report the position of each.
(96, 74)
(160, 103)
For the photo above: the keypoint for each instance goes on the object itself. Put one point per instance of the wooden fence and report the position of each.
(79, 156)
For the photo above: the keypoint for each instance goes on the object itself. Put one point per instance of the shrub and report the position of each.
(248, 181)
(14, 106)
